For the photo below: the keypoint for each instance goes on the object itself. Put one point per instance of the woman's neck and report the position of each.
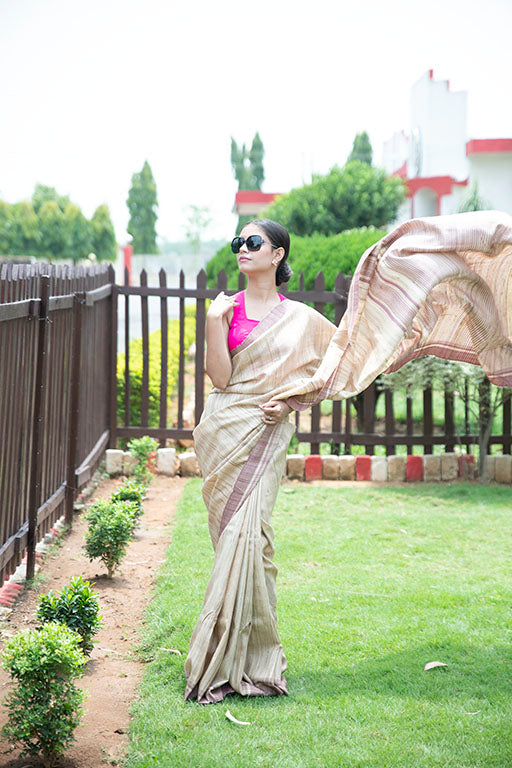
(261, 290)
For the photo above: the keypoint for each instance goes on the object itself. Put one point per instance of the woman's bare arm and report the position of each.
(218, 359)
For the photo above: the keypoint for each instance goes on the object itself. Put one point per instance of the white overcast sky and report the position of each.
(90, 89)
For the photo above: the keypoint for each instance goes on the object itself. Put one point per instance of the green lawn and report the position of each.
(373, 584)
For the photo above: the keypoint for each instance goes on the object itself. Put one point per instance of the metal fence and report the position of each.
(351, 425)
(56, 353)
(59, 389)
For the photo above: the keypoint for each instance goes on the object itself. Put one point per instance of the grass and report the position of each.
(373, 584)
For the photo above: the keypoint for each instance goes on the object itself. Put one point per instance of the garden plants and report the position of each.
(143, 449)
(76, 606)
(44, 707)
(130, 491)
(110, 529)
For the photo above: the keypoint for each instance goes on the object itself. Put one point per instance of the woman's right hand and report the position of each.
(221, 305)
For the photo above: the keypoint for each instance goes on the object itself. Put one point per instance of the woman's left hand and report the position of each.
(274, 411)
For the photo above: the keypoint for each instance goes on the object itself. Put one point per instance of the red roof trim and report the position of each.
(402, 171)
(478, 146)
(254, 196)
(441, 185)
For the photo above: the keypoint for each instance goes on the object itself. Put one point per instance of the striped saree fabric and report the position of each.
(435, 286)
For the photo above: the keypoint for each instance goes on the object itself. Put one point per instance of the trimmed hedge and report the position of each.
(135, 365)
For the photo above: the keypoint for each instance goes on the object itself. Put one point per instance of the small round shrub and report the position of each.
(109, 532)
(130, 491)
(143, 449)
(44, 707)
(76, 606)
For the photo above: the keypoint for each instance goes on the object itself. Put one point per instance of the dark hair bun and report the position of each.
(283, 272)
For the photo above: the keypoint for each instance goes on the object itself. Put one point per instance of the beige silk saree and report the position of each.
(435, 286)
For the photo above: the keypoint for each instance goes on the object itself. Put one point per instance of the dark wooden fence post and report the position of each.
(38, 430)
(74, 404)
(113, 361)
(200, 338)
(164, 334)
(181, 357)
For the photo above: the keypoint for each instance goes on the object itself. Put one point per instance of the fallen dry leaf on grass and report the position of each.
(234, 720)
(171, 650)
(433, 664)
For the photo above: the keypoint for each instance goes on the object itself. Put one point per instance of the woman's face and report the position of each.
(251, 262)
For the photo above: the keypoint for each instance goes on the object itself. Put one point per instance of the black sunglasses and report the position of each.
(253, 243)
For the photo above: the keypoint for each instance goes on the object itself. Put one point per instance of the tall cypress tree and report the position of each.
(248, 169)
(142, 204)
(256, 155)
(361, 149)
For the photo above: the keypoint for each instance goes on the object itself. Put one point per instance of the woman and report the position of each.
(241, 443)
(440, 286)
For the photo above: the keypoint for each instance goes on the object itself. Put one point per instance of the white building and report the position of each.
(438, 160)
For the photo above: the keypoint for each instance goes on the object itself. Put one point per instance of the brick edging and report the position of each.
(430, 468)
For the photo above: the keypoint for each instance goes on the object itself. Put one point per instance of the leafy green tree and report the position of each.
(43, 194)
(357, 195)
(25, 230)
(77, 233)
(142, 204)
(103, 237)
(473, 201)
(6, 227)
(361, 149)
(52, 231)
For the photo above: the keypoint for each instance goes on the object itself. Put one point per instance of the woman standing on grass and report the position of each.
(440, 286)
(258, 342)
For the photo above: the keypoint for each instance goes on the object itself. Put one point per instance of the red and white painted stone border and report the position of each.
(428, 468)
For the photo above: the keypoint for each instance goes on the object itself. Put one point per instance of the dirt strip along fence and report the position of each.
(344, 430)
(56, 353)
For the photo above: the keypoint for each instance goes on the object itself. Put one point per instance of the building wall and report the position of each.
(395, 152)
(438, 130)
(493, 173)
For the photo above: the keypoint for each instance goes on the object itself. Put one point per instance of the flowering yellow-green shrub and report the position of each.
(154, 370)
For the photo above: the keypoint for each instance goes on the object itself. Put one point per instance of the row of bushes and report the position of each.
(45, 707)
(135, 361)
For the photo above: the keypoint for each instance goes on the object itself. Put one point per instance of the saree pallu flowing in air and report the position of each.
(435, 286)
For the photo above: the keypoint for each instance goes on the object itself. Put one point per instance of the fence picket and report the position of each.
(164, 336)
(200, 339)
(181, 371)
(390, 421)
(127, 385)
(428, 422)
(144, 395)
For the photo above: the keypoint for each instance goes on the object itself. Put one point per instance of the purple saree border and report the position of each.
(249, 475)
(264, 325)
(214, 695)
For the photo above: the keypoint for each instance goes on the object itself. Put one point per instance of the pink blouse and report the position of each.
(241, 325)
